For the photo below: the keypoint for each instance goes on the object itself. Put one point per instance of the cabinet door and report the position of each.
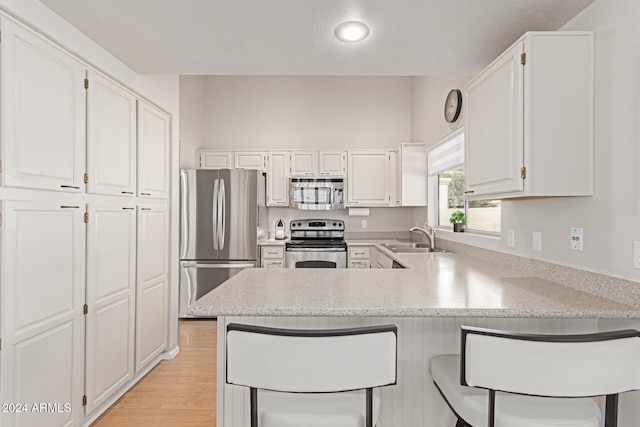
(43, 107)
(151, 284)
(111, 147)
(304, 163)
(278, 179)
(208, 159)
(332, 163)
(411, 175)
(368, 183)
(111, 234)
(256, 160)
(494, 145)
(153, 151)
(42, 311)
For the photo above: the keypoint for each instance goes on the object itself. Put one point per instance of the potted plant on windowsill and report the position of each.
(458, 220)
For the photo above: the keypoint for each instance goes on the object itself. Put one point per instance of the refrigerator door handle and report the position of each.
(214, 213)
(195, 264)
(223, 217)
(184, 235)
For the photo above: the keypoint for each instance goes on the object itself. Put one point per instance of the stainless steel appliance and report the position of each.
(220, 220)
(316, 193)
(316, 243)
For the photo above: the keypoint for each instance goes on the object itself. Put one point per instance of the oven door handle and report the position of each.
(316, 250)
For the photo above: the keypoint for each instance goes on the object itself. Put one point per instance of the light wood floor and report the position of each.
(178, 392)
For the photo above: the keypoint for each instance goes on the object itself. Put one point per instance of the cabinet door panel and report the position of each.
(278, 179)
(304, 163)
(111, 243)
(332, 163)
(43, 322)
(152, 291)
(368, 183)
(44, 113)
(111, 148)
(494, 145)
(153, 151)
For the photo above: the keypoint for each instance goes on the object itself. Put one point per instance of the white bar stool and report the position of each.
(541, 380)
(312, 377)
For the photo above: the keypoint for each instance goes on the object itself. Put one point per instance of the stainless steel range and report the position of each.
(316, 243)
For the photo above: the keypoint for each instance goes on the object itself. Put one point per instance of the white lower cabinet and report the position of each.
(359, 256)
(152, 287)
(111, 256)
(272, 256)
(42, 312)
(383, 261)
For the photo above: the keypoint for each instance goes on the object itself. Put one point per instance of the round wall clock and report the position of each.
(453, 105)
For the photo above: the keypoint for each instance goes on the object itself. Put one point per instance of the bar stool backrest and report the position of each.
(551, 365)
(311, 361)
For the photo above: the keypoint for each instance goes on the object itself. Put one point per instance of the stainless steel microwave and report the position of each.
(316, 193)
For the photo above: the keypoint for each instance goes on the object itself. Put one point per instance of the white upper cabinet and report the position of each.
(255, 160)
(210, 159)
(318, 163)
(411, 175)
(43, 108)
(332, 163)
(529, 119)
(278, 179)
(304, 163)
(153, 151)
(368, 181)
(111, 146)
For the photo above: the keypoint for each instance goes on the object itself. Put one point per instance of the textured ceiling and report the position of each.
(295, 37)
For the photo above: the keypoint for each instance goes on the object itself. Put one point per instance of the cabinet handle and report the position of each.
(127, 192)
(70, 186)
(145, 209)
(69, 207)
(128, 209)
(469, 192)
(144, 194)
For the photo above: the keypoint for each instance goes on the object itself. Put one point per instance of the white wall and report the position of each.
(610, 218)
(246, 112)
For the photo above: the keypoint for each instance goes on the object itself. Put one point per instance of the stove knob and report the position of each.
(299, 224)
(293, 224)
(334, 224)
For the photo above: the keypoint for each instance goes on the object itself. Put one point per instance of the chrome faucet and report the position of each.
(429, 232)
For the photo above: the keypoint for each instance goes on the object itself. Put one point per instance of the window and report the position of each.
(446, 188)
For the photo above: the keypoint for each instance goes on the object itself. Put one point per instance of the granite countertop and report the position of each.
(440, 285)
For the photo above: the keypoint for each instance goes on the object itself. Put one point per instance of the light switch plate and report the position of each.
(536, 240)
(364, 223)
(511, 238)
(576, 238)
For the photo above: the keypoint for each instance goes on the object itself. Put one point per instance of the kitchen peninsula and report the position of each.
(428, 303)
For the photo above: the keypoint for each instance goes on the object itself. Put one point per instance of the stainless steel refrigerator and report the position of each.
(219, 230)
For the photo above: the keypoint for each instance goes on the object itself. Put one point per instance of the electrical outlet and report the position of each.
(576, 238)
(511, 238)
(636, 254)
(364, 223)
(536, 241)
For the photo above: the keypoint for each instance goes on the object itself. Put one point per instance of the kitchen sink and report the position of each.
(410, 247)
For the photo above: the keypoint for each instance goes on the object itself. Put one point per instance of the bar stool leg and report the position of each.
(611, 411)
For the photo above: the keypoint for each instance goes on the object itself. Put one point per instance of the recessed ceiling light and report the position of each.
(351, 31)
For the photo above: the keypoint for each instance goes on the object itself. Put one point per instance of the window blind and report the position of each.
(446, 154)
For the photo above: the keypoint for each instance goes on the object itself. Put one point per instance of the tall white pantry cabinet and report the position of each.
(84, 234)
